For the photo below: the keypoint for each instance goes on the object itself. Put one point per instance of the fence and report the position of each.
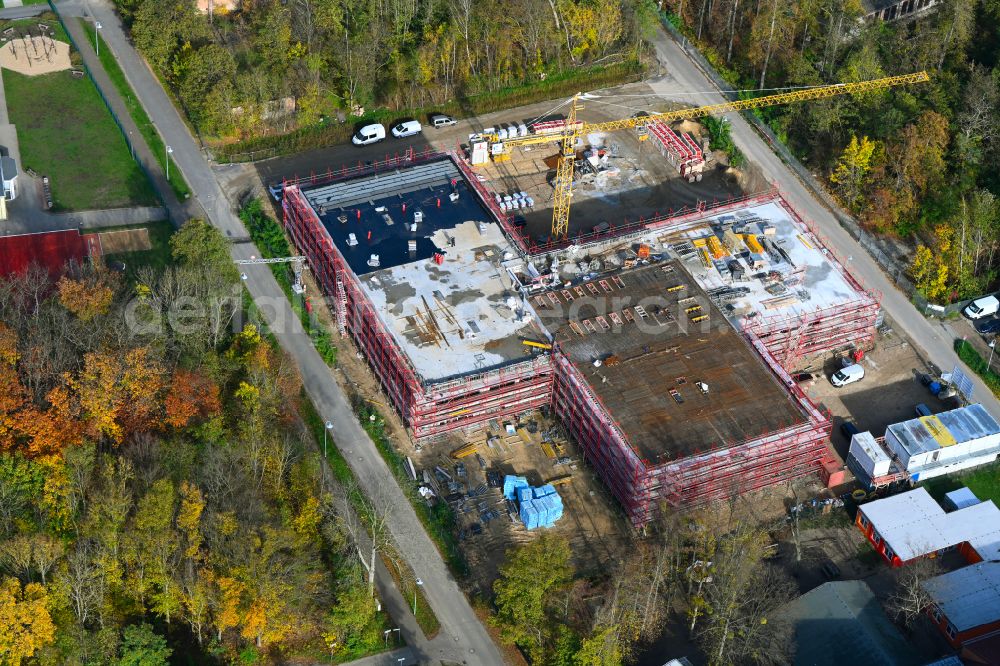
(893, 269)
(114, 116)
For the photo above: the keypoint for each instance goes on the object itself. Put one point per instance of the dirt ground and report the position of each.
(889, 392)
(592, 522)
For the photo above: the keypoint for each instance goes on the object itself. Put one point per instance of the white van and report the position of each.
(369, 134)
(408, 128)
(440, 120)
(982, 307)
(847, 375)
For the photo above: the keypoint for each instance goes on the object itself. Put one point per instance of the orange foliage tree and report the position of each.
(192, 395)
(118, 394)
(86, 299)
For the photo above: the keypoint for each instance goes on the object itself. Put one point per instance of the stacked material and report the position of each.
(539, 507)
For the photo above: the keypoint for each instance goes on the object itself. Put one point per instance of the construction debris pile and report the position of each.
(539, 506)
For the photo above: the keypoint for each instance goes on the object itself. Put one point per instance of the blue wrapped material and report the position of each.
(528, 515)
(510, 485)
(543, 511)
(524, 494)
(545, 491)
(935, 388)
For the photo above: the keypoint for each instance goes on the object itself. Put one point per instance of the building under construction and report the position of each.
(674, 394)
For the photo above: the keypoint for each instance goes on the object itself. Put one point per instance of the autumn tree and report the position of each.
(25, 622)
(851, 174)
(118, 394)
(86, 298)
(191, 396)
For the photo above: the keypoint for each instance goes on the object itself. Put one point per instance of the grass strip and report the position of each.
(270, 239)
(138, 113)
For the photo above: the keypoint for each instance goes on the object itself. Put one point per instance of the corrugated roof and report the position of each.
(842, 623)
(913, 524)
(970, 596)
(964, 424)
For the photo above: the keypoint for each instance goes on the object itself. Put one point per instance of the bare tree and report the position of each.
(369, 531)
(909, 599)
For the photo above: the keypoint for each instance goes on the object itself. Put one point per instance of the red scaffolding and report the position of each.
(729, 468)
(429, 408)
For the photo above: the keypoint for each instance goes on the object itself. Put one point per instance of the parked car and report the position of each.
(848, 375)
(277, 191)
(407, 128)
(923, 410)
(849, 430)
(803, 377)
(982, 307)
(439, 120)
(368, 135)
(988, 327)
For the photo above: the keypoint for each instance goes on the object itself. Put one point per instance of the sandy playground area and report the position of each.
(34, 54)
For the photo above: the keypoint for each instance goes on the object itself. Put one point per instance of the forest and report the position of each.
(159, 491)
(918, 163)
(348, 55)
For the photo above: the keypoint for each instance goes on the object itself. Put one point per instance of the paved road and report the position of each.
(933, 338)
(25, 11)
(463, 638)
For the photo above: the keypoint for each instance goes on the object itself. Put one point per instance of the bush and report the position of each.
(978, 365)
(719, 131)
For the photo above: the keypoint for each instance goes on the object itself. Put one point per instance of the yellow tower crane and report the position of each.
(573, 129)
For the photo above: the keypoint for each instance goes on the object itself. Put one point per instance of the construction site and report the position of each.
(661, 349)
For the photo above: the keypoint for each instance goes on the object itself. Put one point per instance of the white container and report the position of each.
(502, 134)
(522, 130)
(418, 216)
(871, 457)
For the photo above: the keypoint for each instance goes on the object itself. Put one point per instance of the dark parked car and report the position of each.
(988, 327)
(849, 429)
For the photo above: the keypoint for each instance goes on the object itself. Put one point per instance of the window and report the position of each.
(876, 538)
(862, 520)
(952, 632)
(937, 615)
(888, 553)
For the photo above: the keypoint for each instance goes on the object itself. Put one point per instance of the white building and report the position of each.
(928, 446)
(8, 174)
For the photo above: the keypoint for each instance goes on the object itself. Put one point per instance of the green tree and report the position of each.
(527, 579)
(141, 646)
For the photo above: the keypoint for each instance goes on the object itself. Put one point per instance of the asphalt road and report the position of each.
(934, 339)
(462, 638)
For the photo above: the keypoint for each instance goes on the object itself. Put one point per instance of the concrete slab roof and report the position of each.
(461, 316)
(793, 276)
(674, 386)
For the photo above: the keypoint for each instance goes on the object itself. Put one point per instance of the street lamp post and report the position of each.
(327, 427)
(97, 39)
(169, 152)
(993, 344)
(419, 582)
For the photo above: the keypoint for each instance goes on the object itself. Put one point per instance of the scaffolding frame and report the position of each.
(428, 408)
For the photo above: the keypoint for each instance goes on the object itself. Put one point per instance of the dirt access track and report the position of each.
(647, 184)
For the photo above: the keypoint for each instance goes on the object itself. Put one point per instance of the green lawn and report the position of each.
(158, 256)
(66, 133)
(984, 482)
(142, 121)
